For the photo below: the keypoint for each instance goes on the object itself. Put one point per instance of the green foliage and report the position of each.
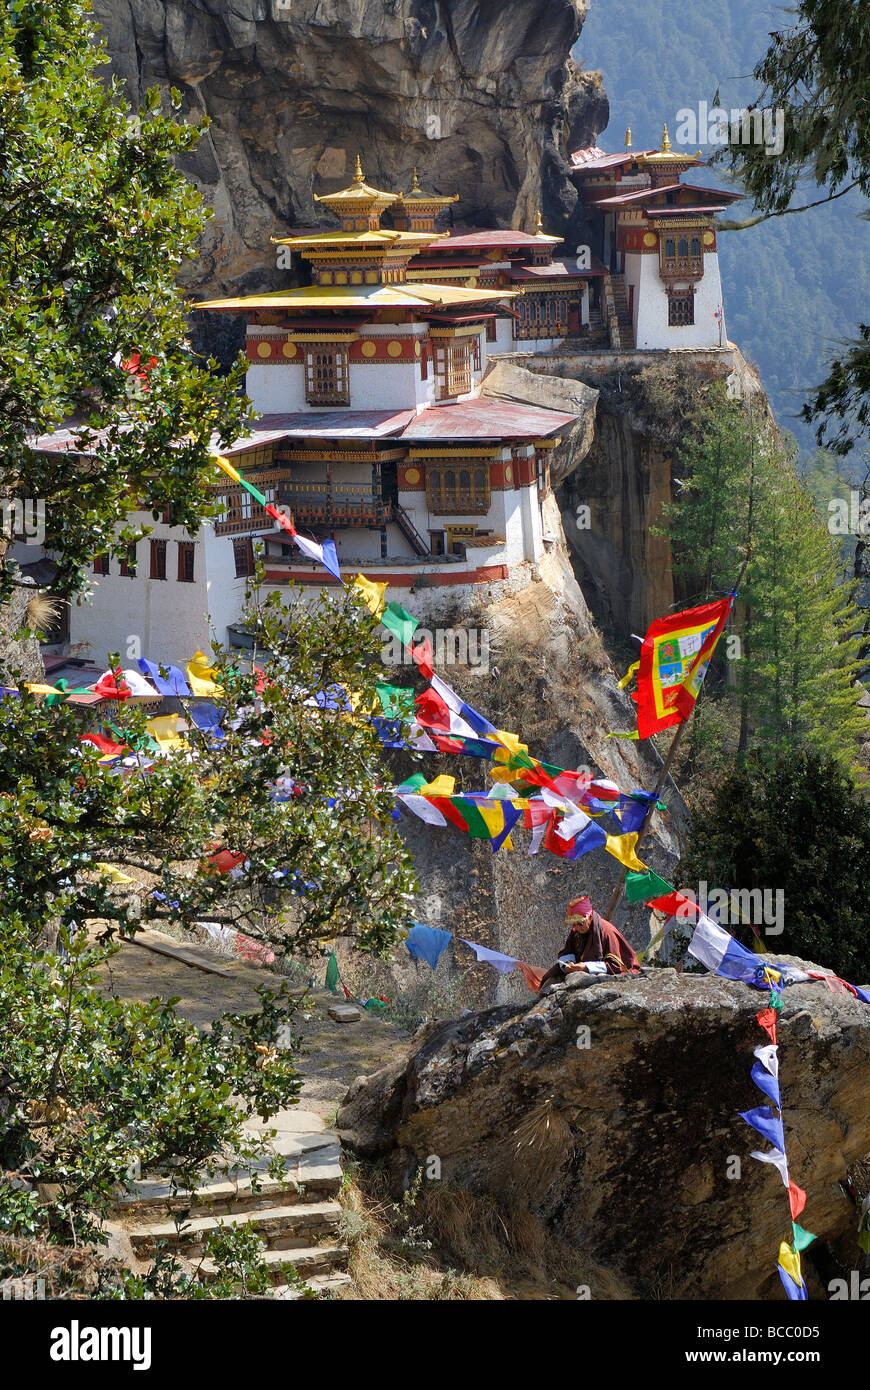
(325, 862)
(793, 821)
(740, 501)
(95, 222)
(90, 1084)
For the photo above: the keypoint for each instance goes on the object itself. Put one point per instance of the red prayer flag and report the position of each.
(531, 975)
(767, 1020)
(283, 521)
(797, 1199)
(673, 663)
(422, 654)
(112, 686)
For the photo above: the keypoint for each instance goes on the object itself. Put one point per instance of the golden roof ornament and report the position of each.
(628, 137)
(359, 176)
(666, 141)
(539, 224)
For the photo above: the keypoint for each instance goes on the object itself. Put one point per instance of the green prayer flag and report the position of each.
(802, 1238)
(413, 783)
(641, 887)
(635, 735)
(399, 621)
(396, 700)
(331, 981)
(477, 826)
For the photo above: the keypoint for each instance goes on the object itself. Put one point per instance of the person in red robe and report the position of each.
(592, 938)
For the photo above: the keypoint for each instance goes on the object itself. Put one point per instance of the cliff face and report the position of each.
(609, 1109)
(295, 88)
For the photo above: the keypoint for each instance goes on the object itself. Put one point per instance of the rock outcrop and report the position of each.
(295, 88)
(622, 1138)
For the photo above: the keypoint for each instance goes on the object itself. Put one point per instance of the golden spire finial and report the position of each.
(628, 137)
(539, 224)
(666, 140)
(415, 182)
(359, 176)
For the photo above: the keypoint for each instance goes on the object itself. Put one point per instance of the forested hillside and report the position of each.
(794, 286)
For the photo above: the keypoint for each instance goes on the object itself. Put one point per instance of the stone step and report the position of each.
(310, 1175)
(310, 1262)
(280, 1227)
(323, 1284)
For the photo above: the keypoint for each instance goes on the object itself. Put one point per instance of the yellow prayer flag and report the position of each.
(512, 742)
(791, 1263)
(372, 594)
(226, 467)
(164, 729)
(622, 848)
(42, 689)
(111, 872)
(442, 786)
(200, 676)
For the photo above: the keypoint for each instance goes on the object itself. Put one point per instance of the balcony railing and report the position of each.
(683, 267)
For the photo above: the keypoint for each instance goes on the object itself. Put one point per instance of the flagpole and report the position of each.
(662, 778)
(645, 823)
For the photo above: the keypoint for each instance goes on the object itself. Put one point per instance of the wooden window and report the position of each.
(542, 316)
(158, 559)
(243, 554)
(436, 542)
(457, 490)
(670, 248)
(683, 246)
(327, 380)
(186, 554)
(696, 246)
(491, 334)
(681, 310)
(455, 361)
(128, 564)
(101, 564)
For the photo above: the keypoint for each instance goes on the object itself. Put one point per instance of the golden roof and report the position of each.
(360, 297)
(383, 237)
(359, 197)
(668, 156)
(417, 195)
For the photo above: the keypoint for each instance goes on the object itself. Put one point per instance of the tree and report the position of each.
(739, 500)
(290, 784)
(818, 72)
(95, 221)
(792, 821)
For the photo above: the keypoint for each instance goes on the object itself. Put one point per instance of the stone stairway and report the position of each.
(620, 301)
(298, 1219)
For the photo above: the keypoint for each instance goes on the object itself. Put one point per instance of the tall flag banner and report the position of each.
(674, 657)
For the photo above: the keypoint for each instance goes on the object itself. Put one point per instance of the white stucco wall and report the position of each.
(161, 619)
(651, 305)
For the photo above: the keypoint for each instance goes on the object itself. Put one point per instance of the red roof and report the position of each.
(498, 237)
(483, 418)
(640, 194)
(594, 158)
(554, 271)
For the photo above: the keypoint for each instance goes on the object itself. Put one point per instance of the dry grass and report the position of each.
(444, 1242)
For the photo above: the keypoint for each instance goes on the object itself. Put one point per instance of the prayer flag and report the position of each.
(674, 657)
(397, 701)
(201, 676)
(789, 1267)
(173, 683)
(503, 964)
(622, 848)
(331, 982)
(642, 887)
(797, 1200)
(372, 594)
(399, 621)
(769, 1126)
(428, 943)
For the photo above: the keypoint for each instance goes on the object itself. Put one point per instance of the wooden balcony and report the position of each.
(682, 267)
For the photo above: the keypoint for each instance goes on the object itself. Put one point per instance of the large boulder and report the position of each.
(631, 1147)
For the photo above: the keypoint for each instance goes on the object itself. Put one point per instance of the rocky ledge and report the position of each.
(610, 1109)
